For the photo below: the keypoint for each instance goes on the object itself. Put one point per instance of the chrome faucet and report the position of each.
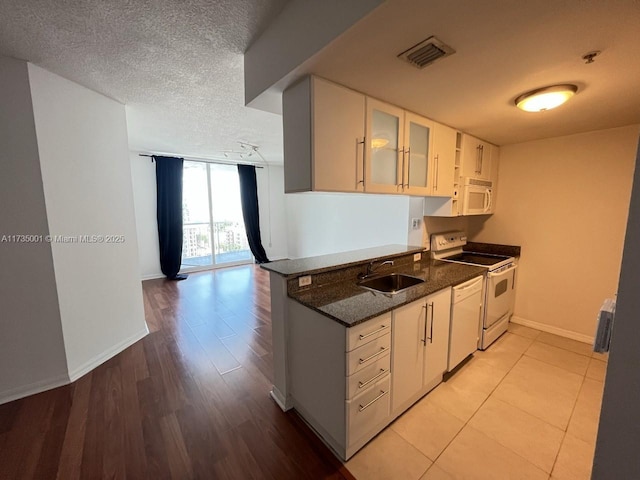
(371, 268)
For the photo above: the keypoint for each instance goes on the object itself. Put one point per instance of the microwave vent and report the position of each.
(426, 52)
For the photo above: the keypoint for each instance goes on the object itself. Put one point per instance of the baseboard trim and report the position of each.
(65, 379)
(279, 399)
(152, 276)
(107, 354)
(33, 388)
(580, 337)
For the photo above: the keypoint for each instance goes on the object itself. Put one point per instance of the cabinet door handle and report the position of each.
(401, 184)
(408, 151)
(426, 314)
(437, 171)
(370, 357)
(372, 379)
(481, 158)
(363, 143)
(478, 159)
(382, 327)
(431, 331)
(364, 407)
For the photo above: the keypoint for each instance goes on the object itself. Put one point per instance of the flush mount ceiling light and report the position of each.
(545, 98)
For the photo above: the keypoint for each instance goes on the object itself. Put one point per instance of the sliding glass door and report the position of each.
(214, 233)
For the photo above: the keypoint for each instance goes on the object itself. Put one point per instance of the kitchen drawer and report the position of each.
(367, 354)
(366, 377)
(368, 410)
(367, 331)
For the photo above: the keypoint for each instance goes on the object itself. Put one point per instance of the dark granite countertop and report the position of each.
(323, 263)
(350, 304)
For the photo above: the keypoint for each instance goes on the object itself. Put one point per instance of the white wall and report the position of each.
(82, 141)
(323, 223)
(270, 199)
(273, 219)
(565, 201)
(32, 354)
(143, 175)
(616, 453)
(302, 29)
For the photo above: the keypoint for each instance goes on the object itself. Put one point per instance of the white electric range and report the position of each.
(499, 285)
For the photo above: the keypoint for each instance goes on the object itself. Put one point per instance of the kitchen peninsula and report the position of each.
(342, 351)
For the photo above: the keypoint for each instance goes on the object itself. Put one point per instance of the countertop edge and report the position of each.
(473, 273)
(409, 251)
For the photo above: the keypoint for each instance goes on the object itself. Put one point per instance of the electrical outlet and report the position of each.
(417, 257)
(416, 223)
(304, 281)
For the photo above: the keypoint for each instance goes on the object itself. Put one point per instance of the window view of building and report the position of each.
(213, 227)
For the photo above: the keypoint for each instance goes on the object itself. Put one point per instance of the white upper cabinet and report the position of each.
(417, 166)
(476, 158)
(339, 140)
(398, 155)
(384, 149)
(323, 127)
(444, 160)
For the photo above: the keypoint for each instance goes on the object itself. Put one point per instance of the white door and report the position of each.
(408, 339)
(417, 169)
(444, 158)
(383, 147)
(437, 345)
(500, 295)
(338, 138)
(465, 321)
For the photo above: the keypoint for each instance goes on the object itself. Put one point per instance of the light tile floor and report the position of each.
(527, 407)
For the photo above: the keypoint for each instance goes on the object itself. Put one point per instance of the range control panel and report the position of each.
(447, 240)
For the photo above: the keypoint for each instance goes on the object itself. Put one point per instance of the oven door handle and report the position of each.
(512, 268)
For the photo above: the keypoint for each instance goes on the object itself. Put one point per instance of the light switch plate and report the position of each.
(304, 281)
(417, 257)
(416, 223)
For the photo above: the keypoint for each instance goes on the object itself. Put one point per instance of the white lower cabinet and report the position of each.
(350, 383)
(371, 407)
(367, 376)
(419, 348)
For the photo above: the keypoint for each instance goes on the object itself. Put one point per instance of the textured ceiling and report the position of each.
(178, 66)
(504, 48)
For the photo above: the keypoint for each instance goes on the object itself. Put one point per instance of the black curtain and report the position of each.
(169, 183)
(249, 198)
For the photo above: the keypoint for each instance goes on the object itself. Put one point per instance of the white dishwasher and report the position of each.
(466, 303)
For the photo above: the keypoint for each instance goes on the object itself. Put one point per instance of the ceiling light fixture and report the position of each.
(545, 98)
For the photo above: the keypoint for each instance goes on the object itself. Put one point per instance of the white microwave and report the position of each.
(477, 197)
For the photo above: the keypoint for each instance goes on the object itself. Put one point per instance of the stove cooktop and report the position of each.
(483, 259)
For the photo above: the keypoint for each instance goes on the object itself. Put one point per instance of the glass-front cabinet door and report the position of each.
(384, 148)
(418, 132)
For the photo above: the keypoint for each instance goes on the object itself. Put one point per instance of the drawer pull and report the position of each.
(365, 360)
(364, 407)
(383, 327)
(372, 379)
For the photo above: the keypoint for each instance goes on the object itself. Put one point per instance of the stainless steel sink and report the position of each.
(392, 283)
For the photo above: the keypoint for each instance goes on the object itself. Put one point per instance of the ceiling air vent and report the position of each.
(426, 52)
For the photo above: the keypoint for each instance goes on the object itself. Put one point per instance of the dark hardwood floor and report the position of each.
(190, 400)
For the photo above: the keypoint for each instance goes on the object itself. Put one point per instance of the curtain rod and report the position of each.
(206, 160)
